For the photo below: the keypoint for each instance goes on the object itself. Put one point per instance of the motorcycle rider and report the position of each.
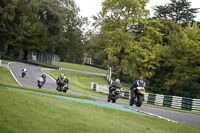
(60, 78)
(40, 79)
(24, 70)
(138, 83)
(66, 80)
(44, 78)
(115, 84)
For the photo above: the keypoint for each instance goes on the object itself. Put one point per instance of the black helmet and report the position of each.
(43, 75)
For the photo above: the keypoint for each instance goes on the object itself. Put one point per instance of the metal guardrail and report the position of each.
(177, 102)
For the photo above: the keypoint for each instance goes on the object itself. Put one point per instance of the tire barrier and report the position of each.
(177, 102)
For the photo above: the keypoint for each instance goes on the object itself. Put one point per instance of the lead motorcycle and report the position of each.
(114, 95)
(137, 96)
(62, 86)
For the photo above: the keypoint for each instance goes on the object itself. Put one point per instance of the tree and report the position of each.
(71, 45)
(25, 32)
(7, 15)
(180, 67)
(142, 56)
(52, 14)
(179, 11)
(119, 21)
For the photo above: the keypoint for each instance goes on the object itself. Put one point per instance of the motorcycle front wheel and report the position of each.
(114, 99)
(139, 100)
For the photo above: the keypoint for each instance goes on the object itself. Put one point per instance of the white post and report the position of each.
(90, 60)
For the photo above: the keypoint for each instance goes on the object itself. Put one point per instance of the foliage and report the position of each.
(119, 20)
(180, 64)
(179, 11)
(39, 25)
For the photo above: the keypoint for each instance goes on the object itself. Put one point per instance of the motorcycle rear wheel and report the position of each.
(108, 98)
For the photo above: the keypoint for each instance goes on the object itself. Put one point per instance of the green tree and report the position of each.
(181, 62)
(179, 11)
(71, 45)
(25, 31)
(7, 15)
(142, 56)
(118, 25)
(95, 49)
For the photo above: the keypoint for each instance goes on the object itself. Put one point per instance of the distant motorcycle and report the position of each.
(137, 96)
(115, 94)
(62, 86)
(23, 74)
(40, 82)
(24, 71)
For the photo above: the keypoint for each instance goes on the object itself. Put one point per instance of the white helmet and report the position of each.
(117, 80)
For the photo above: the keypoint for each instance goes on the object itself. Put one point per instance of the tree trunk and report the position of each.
(25, 54)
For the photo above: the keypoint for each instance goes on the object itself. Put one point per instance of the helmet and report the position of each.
(64, 76)
(117, 80)
(61, 74)
(43, 75)
(140, 78)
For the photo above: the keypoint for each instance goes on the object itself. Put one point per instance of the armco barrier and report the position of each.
(196, 105)
(151, 98)
(186, 103)
(176, 102)
(167, 101)
(157, 99)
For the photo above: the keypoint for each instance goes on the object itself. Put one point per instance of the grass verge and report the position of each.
(8, 81)
(80, 82)
(4, 61)
(81, 67)
(25, 112)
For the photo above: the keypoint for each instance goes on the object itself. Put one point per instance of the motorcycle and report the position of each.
(23, 74)
(137, 96)
(40, 84)
(114, 95)
(62, 87)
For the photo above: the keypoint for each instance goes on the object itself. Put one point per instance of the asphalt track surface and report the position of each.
(30, 80)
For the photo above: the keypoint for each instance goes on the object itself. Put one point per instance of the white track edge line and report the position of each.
(123, 106)
(13, 74)
(46, 73)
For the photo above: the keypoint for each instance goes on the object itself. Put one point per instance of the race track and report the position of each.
(34, 72)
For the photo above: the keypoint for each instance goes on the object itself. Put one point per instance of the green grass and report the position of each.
(8, 81)
(25, 112)
(81, 67)
(80, 82)
(44, 64)
(5, 61)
